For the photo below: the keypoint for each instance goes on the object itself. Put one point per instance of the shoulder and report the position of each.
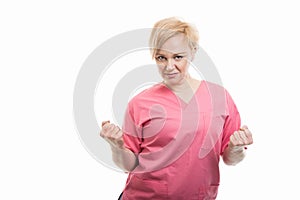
(148, 94)
(218, 96)
(213, 86)
(214, 90)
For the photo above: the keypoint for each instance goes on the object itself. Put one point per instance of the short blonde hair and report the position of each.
(169, 27)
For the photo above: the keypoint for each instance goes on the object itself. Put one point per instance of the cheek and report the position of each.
(160, 68)
(160, 65)
(182, 66)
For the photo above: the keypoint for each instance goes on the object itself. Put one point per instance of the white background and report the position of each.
(43, 44)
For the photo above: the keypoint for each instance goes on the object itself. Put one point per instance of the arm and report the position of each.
(235, 151)
(122, 157)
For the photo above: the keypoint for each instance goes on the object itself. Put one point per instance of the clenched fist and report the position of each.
(241, 137)
(112, 134)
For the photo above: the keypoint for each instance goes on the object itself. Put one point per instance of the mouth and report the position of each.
(171, 75)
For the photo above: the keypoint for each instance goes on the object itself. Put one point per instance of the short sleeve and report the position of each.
(132, 134)
(232, 121)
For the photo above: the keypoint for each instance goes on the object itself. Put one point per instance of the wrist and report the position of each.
(117, 148)
(236, 148)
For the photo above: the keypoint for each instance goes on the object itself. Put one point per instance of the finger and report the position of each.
(119, 137)
(244, 127)
(101, 133)
(105, 122)
(119, 133)
(116, 136)
(107, 129)
(243, 137)
(115, 130)
(248, 133)
(248, 136)
(233, 139)
(104, 132)
(237, 138)
(104, 128)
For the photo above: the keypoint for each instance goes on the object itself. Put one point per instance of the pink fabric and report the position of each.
(178, 144)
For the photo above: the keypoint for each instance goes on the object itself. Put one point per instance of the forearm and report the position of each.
(124, 158)
(233, 155)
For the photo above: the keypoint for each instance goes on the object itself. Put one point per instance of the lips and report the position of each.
(171, 75)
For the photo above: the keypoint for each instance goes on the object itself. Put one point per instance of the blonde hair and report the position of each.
(169, 27)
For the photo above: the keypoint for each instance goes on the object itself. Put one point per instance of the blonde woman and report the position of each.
(175, 131)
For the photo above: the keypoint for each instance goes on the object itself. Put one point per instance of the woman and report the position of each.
(175, 131)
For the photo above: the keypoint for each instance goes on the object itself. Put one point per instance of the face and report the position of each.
(173, 60)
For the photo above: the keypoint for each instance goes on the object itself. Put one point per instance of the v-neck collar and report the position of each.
(182, 102)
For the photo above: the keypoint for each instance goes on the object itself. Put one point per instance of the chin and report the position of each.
(174, 81)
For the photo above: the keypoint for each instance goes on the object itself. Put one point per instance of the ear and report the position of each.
(193, 56)
(194, 50)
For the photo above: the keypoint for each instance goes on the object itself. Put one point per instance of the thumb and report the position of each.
(244, 127)
(105, 122)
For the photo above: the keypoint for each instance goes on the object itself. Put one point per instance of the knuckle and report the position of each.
(102, 133)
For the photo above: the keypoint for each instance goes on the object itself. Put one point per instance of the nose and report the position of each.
(170, 65)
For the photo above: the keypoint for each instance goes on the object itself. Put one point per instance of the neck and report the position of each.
(185, 85)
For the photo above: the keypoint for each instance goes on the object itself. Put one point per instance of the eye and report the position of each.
(160, 58)
(178, 57)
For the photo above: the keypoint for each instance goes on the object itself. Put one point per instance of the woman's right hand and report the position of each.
(112, 134)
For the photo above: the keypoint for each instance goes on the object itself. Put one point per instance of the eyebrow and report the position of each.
(158, 53)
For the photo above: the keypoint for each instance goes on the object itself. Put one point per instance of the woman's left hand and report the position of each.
(240, 138)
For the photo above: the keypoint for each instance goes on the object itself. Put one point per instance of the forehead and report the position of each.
(176, 44)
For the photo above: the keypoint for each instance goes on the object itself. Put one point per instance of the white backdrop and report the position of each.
(254, 45)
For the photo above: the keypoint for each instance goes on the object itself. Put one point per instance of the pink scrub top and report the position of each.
(178, 144)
